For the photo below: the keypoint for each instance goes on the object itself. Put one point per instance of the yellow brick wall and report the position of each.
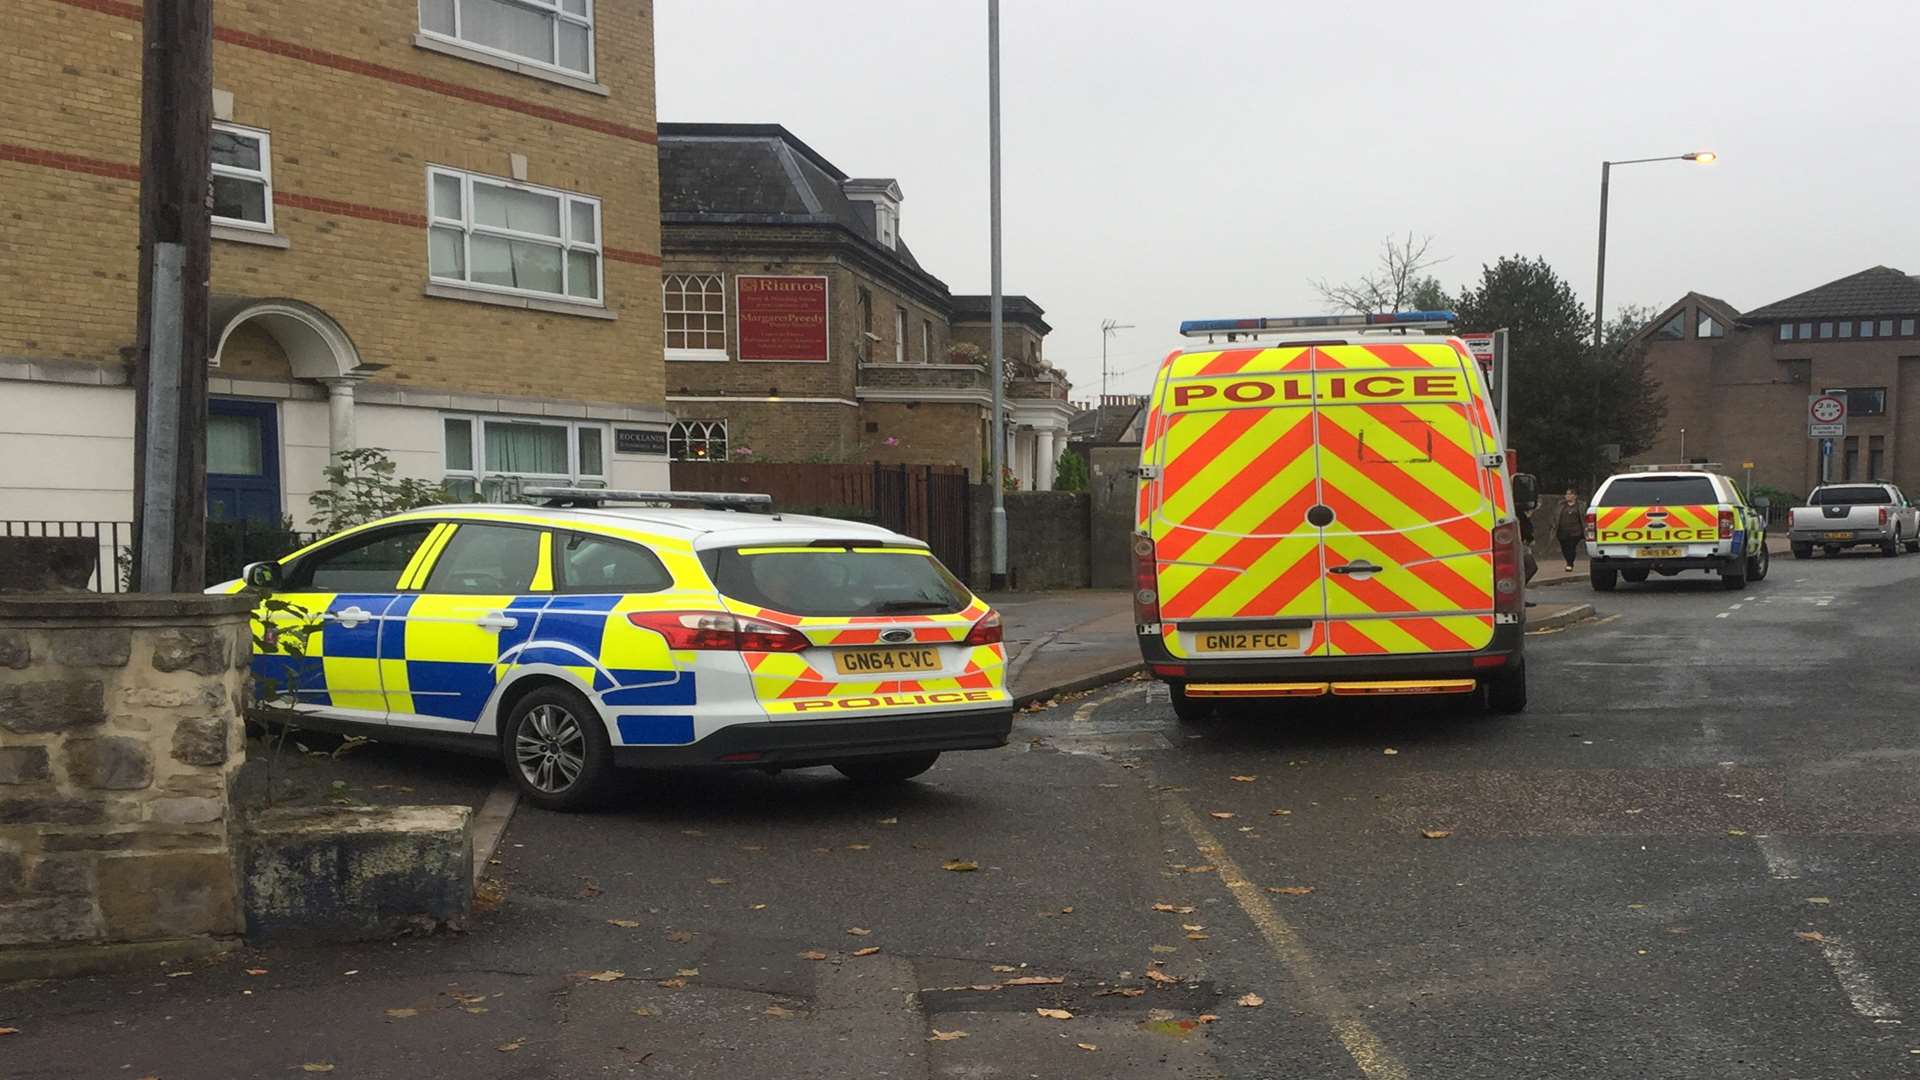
(70, 82)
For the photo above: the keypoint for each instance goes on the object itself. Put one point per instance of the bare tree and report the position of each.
(1399, 279)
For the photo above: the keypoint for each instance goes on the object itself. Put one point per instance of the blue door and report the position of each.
(243, 461)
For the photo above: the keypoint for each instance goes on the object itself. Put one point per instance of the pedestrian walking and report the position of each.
(1570, 525)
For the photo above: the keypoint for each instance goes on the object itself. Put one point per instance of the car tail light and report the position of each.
(1883, 517)
(987, 631)
(1726, 524)
(1591, 527)
(1789, 519)
(719, 630)
(1506, 569)
(1146, 589)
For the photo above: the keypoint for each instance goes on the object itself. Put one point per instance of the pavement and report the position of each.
(1692, 856)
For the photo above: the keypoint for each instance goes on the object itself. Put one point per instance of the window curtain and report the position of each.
(526, 448)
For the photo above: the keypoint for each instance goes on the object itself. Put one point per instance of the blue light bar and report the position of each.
(1314, 322)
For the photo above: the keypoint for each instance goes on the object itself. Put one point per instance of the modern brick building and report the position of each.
(1737, 383)
(800, 326)
(436, 232)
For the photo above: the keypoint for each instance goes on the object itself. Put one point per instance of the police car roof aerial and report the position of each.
(1401, 321)
(589, 498)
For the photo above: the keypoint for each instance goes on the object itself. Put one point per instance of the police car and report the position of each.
(1662, 519)
(581, 635)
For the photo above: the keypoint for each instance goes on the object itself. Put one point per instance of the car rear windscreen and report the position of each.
(1863, 495)
(1658, 491)
(839, 580)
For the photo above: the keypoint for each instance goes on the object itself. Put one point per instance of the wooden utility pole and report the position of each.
(170, 352)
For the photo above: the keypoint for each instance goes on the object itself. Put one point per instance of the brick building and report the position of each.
(1737, 383)
(436, 232)
(799, 324)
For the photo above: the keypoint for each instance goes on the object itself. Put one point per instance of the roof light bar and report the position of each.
(592, 497)
(1408, 320)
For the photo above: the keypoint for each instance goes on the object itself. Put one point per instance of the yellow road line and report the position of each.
(1317, 994)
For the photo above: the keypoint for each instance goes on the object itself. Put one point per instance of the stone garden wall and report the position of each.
(120, 727)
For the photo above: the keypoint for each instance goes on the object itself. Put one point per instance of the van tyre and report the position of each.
(1759, 563)
(893, 769)
(1189, 710)
(1802, 551)
(555, 747)
(1634, 576)
(1603, 580)
(1507, 691)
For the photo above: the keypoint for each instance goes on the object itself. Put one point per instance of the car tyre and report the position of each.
(555, 747)
(1891, 548)
(1190, 710)
(1507, 692)
(892, 769)
(1759, 563)
(1802, 551)
(1733, 576)
(1603, 580)
(1913, 546)
(1634, 576)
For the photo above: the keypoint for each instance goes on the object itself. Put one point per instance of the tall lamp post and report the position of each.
(997, 520)
(1698, 157)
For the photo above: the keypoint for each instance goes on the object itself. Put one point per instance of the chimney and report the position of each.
(881, 196)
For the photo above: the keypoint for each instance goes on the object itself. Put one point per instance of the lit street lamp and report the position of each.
(1698, 157)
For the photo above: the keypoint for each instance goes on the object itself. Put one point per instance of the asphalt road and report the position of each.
(1693, 856)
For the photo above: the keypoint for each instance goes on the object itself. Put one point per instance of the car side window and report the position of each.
(369, 562)
(486, 560)
(600, 564)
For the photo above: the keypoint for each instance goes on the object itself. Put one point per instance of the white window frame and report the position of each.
(565, 241)
(703, 280)
(899, 334)
(479, 475)
(926, 341)
(544, 7)
(683, 431)
(263, 176)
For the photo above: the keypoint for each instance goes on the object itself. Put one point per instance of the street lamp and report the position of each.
(1698, 157)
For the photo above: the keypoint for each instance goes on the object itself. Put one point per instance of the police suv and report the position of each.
(1663, 519)
(580, 635)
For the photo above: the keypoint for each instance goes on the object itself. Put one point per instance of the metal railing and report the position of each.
(230, 546)
(112, 544)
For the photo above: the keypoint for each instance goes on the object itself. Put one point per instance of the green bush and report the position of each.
(362, 487)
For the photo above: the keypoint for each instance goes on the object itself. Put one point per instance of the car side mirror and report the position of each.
(265, 576)
(1526, 490)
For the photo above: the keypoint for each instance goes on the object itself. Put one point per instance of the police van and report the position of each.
(1326, 508)
(583, 634)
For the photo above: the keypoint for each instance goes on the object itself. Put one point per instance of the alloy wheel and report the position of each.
(551, 748)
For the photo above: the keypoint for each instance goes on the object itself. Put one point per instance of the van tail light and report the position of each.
(987, 631)
(1592, 526)
(1146, 589)
(1883, 517)
(1726, 524)
(719, 631)
(1507, 573)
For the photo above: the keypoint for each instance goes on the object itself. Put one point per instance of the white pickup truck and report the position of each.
(1844, 515)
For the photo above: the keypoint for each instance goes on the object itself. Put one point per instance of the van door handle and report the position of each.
(1361, 566)
(497, 621)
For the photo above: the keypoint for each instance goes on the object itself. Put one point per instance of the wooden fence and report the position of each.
(924, 501)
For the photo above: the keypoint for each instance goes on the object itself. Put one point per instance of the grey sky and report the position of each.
(1204, 159)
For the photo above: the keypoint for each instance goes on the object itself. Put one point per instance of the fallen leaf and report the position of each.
(1066, 911)
(1162, 949)
(1223, 815)
(813, 954)
(1123, 991)
(719, 881)
(599, 976)
(1162, 977)
(1809, 935)
(1250, 1001)
(1036, 980)
(1055, 1014)
(1005, 967)
(624, 924)
(980, 987)
(1204, 868)
(945, 1036)
(178, 974)
(469, 999)
(1818, 900)
(510, 1047)
(858, 931)
(1175, 909)
(859, 847)
(672, 984)
(317, 1067)
(589, 889)
(1086, 1046)
(646, 1010)
(1389, 751)
(1246, 779)
(1196, 936)
(1736, 832)
(1205, 1018)
(1436, 834)
(781, 1012)
(9, 1031)
(687, 972)
(475, 1009)
(1192, 927)
(1635, 907)
(256, 971)
(402, 1014)
(959, 865)
(355, 971)
(1290, 890)
(889, 821)
(868, 951)
(1279, 813)
(759, 907)
(680, 937)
